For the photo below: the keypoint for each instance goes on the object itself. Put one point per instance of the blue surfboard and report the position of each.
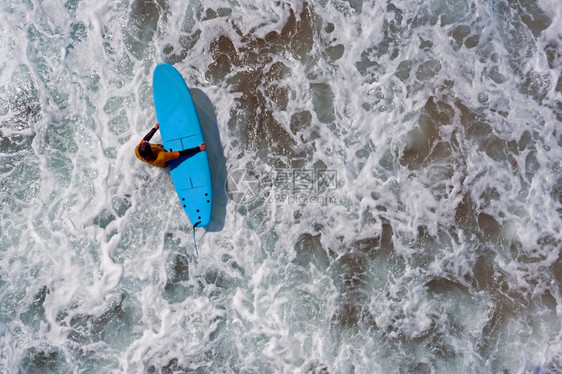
(180, 129)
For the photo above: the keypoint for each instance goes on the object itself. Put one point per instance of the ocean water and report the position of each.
(388, 188)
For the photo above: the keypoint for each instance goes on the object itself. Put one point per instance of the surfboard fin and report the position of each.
(194, 241)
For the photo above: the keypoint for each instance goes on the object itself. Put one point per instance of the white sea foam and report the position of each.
(424, 235)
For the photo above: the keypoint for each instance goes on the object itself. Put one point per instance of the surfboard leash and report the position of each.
(194, 241)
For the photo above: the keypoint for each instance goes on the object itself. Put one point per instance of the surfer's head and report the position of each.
(145, 151)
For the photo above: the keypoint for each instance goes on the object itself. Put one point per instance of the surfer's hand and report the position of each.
(203, 146)
(157, 126)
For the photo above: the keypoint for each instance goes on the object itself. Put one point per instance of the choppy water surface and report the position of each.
(394, 188)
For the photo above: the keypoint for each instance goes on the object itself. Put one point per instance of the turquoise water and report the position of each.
(388, 188)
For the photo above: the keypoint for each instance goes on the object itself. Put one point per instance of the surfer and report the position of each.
(155, 154)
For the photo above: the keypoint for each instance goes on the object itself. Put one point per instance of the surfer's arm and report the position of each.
(191, 151)
(151, 133)
(168, 156)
